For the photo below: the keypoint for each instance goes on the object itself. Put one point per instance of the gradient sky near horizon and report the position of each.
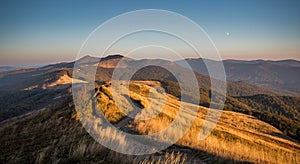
(38, 32)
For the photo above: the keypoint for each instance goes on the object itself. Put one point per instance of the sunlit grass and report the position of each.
(237, 136)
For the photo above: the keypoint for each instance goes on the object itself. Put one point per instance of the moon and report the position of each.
(227, 33)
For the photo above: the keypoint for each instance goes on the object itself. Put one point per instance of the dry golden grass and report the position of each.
(65, 79)
(168, 158)
(52, 135)
(237, 136)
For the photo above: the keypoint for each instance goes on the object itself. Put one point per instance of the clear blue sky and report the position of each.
(48, 31)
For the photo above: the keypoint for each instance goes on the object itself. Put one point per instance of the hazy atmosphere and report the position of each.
(40, 32)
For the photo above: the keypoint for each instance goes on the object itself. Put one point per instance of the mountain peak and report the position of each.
(92, 59)
(87, 59)
(109, 57)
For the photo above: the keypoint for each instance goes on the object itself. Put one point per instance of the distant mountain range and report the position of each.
(283, 74)
(8, 68)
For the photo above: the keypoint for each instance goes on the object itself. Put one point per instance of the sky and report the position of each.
(35, 32)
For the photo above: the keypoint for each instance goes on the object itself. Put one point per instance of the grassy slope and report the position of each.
(51, 136)
(237, 136)
(55, 135)
(280, 111)
(38, 90)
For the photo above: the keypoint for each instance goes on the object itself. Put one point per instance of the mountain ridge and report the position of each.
(283, 74)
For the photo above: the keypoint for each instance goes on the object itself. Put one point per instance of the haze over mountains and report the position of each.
(261, 94)
(8, 68)
(283, 74)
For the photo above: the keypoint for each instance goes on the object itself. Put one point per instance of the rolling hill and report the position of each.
(54, 134)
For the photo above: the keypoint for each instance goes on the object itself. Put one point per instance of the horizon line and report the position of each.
(187, 58)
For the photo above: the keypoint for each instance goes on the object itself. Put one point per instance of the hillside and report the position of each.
(233, 129)
(53, 134)
(32, 90)
(281, 111)
(233, 88)
(289, 122)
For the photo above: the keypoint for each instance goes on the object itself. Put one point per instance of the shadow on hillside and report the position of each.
(15, 103)
(280, 135)
(195, 155)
